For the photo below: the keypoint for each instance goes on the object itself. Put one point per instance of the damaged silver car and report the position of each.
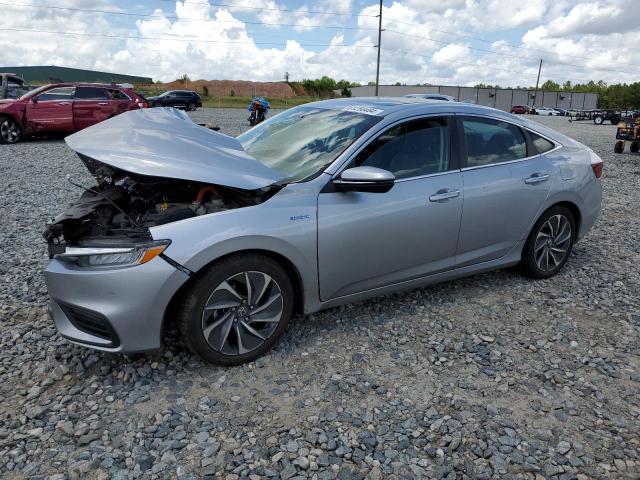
(320, 205)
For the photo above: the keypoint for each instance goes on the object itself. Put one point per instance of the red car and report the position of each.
(64, 108)
(520, 109)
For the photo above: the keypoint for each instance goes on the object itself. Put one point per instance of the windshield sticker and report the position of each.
(362, 109)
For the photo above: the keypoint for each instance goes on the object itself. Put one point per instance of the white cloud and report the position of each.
(596, 18)
(450, 54)
(214, 42)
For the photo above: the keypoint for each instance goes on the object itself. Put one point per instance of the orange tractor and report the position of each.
(628, 131)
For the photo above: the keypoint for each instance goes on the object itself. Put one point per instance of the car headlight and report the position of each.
(110, 257)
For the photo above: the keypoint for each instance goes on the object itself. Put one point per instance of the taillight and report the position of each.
(596, 164)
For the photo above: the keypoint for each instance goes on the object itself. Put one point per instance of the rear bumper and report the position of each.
(116, 310)
(592, 206)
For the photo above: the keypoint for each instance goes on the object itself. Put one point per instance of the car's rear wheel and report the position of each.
(237, 309)
(10, 131)
(550, 242)
(598, 120)
(619, 147)
(190, 107)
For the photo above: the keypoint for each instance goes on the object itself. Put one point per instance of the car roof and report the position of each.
(425, 95)
(384, 106)
(400, 108)
(86, 84)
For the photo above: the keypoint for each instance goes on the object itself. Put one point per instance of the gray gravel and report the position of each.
(486, 377)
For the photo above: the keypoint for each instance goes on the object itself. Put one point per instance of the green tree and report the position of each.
(344, 86)
(550, 85)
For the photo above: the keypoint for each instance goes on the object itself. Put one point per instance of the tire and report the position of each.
(190, 107)
(634, 147)
(619, 147)
(218, 302)
(10, 131)
(549, 244)
(599, 120)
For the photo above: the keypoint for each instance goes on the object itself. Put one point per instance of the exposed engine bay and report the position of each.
(122, 206)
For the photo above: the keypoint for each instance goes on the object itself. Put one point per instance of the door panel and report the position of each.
(90, 112)
(504, 190)
(118, 106)
(51, 111)
(91, 105)
(50, 116)
(499, 208)
(368, 240)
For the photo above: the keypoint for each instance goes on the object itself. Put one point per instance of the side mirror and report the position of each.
(365, 179)
(34, 99)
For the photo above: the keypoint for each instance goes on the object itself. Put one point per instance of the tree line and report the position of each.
(325, 86)
(617, 95)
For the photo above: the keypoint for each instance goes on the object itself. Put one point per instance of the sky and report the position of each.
(448, 42)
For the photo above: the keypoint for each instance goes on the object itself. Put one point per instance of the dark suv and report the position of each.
(186, 99)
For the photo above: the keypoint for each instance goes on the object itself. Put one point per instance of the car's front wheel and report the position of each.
(237, 309)
(10, 131)
(550, 242)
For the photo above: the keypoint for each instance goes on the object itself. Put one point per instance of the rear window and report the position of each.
(540, 144)
(117, 95)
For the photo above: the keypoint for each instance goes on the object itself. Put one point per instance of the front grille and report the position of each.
(91, 322)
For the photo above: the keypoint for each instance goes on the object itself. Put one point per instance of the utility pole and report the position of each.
(379, 42)
(535, 95)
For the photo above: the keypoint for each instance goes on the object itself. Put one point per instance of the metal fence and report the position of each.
(501, 98)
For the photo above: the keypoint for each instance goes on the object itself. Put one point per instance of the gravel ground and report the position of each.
(486, 377)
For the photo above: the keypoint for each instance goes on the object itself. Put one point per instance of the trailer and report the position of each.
(597, 116)
(628, 131)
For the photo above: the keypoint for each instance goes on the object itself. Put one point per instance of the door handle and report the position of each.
(444, 195)
(103, 103)
(63, 103)
(536, 178)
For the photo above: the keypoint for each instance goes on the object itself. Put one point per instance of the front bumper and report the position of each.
(115, 310)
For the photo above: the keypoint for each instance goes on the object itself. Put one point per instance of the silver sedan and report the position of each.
(321, 205)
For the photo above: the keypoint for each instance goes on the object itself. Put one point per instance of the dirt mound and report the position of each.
(238, 88)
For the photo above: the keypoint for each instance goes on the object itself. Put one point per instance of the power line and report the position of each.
(475, 65)
(520, 47)
(584, 67)
(457, 63)
(175, 17)
(471, 37)
(178, 39)
(248, 7)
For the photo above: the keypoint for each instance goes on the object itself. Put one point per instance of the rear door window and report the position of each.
(490, 141)
(91, 93)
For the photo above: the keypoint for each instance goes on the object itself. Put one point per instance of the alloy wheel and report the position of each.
(552, 243)
(9, 131)
(242, 313)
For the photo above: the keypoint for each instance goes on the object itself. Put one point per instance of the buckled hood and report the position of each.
(164, 142)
